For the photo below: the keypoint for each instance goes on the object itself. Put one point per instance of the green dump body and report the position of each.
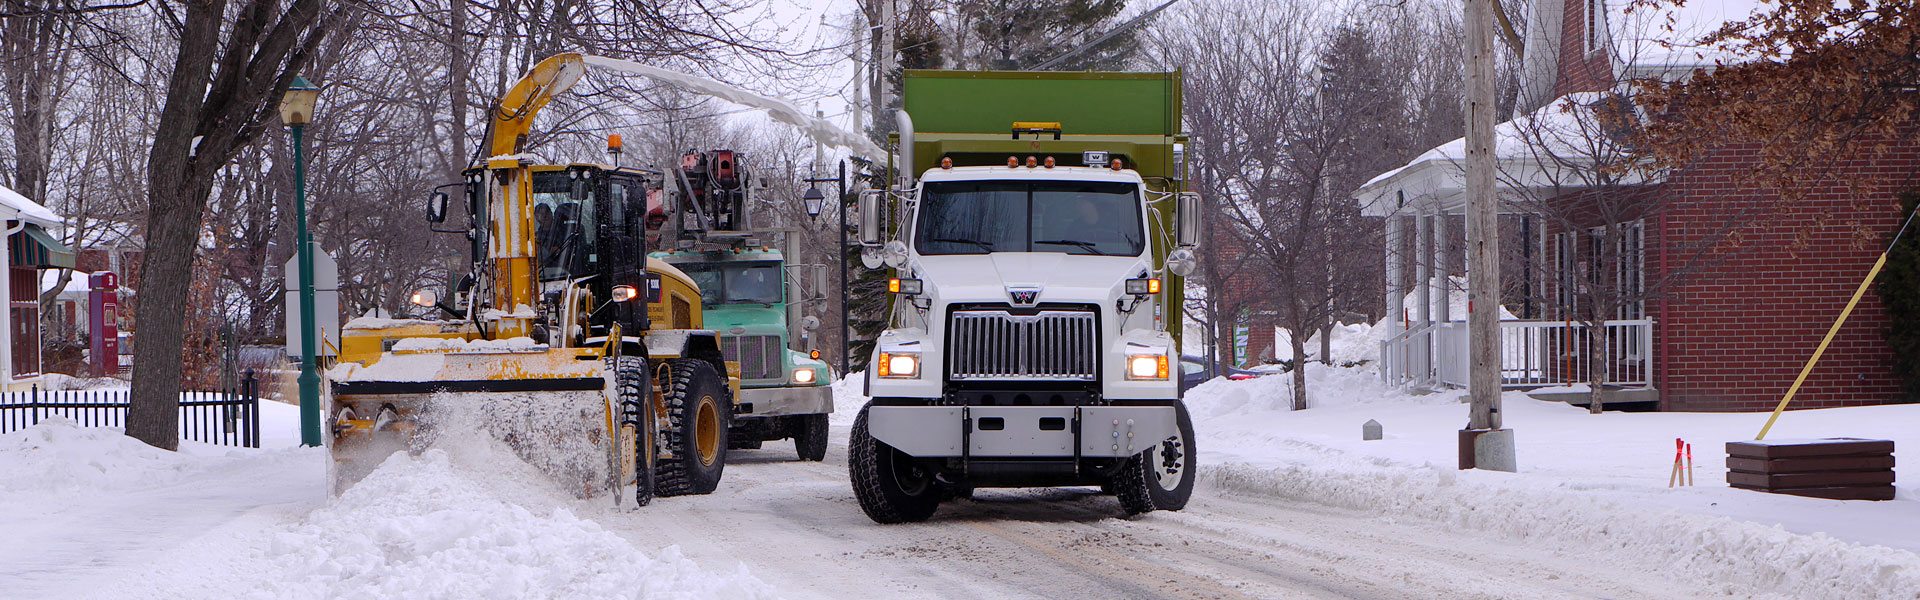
(968, 116)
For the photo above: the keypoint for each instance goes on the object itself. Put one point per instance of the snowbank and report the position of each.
(1593, 485)
(57, 456)
(92, 513)
(419, 528)
(1351, 343)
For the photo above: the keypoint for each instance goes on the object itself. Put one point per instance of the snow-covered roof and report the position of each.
(76, 285)
(1663, 37)
(1643, 40)
(1536, 150)
(29, 211)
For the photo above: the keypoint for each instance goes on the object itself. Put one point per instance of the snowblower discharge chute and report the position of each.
(561, 339)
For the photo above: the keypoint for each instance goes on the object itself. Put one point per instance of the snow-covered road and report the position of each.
(1287, 506)
(796, 527)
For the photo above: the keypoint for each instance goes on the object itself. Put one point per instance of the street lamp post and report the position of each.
(812, 200)
(296, 110)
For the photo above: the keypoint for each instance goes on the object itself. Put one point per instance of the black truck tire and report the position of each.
(698, 415)
(810, 437)
(1161, 478)
(885, 481)
(635, 393)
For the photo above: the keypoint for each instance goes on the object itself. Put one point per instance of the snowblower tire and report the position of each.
(635, 390)
(698, 415)
(1162, 477)
(810, 441)
(889, 488)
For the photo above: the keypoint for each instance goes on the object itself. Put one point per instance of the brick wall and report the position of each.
(1244, 288)
(1732, 335)
(1579, 70)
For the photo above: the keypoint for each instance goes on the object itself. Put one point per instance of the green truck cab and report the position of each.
(750, 299)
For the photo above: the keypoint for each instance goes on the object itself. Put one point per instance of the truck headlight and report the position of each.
(1149, 367)
(900, 365)
(424, 298)
(803, 375)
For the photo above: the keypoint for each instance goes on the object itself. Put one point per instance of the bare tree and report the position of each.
(223, 91)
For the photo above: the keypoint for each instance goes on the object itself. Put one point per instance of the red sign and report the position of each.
(103, 324)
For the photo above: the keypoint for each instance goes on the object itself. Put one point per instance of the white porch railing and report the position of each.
(1408, 357)
(1532, 354)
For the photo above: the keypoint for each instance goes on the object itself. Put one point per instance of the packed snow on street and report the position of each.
(1291, 504)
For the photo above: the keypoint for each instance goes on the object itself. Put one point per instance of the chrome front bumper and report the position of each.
(783, 401)
(1022, 431)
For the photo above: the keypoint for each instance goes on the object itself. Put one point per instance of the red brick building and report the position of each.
(1748, 282)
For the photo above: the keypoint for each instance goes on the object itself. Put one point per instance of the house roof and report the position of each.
(1650, 39)
(12, 202)
(1645, 41)
(1538, 150)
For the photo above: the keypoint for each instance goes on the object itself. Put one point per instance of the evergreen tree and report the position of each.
(1020, 34)
(1899, 288)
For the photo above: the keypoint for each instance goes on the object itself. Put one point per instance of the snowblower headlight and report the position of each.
(900, 365)
(1147, 367)
(803, 375)
(623, 293)
(424, 298)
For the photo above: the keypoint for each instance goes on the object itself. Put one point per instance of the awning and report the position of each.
(34, 247)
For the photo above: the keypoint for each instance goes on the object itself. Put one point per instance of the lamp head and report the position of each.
(296, 107)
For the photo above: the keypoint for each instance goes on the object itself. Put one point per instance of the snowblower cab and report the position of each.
(562, 339)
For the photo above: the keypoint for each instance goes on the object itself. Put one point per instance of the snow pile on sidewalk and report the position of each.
(419, 527)
(58, 456)
(93, 513)
(1588, 485)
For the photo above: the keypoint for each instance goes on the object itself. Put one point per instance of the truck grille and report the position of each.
(758, 355)
(1051, 345)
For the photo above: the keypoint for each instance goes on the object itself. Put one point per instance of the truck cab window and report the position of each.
(563, 228)
(737, 283)
(1073, 217)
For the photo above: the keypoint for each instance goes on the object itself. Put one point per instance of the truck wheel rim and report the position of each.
(909, 478)
(707, 431)
(1169, 463)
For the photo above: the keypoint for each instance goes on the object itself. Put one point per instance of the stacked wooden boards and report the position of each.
(1834, 468)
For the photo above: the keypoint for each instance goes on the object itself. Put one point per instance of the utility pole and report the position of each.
(1484, 444)
(883, 102)
(859, 81)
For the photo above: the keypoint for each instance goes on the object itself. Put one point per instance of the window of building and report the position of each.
(1595, 22)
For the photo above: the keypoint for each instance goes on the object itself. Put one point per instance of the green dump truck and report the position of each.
(752, 300)
(1037, 237)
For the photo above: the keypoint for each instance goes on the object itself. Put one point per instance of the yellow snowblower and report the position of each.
(562, 339)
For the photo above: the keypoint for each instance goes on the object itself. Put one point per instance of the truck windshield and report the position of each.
(736, 283)
(1075, 217)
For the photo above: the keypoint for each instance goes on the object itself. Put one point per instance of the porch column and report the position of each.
(1423, 270)
(1444, 312)
(1396, 273)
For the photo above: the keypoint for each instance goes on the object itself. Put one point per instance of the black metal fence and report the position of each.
(226, 418)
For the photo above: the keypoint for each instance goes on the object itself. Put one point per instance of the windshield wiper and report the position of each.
(983, 245)
(1088, 246)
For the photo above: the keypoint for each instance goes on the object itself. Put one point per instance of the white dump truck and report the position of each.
(1037, 247)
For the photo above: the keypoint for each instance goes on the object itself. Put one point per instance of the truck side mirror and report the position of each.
(1187, 220)
(870, 207)
(437, 208)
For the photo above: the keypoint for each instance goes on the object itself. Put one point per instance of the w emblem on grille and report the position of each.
(1024, 296)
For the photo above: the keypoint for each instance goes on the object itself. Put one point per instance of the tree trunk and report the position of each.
(1299, 372)
(1596, 365)
(175, 206)
(1326, 343)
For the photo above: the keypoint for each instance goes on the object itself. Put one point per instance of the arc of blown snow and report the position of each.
(819, 129)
